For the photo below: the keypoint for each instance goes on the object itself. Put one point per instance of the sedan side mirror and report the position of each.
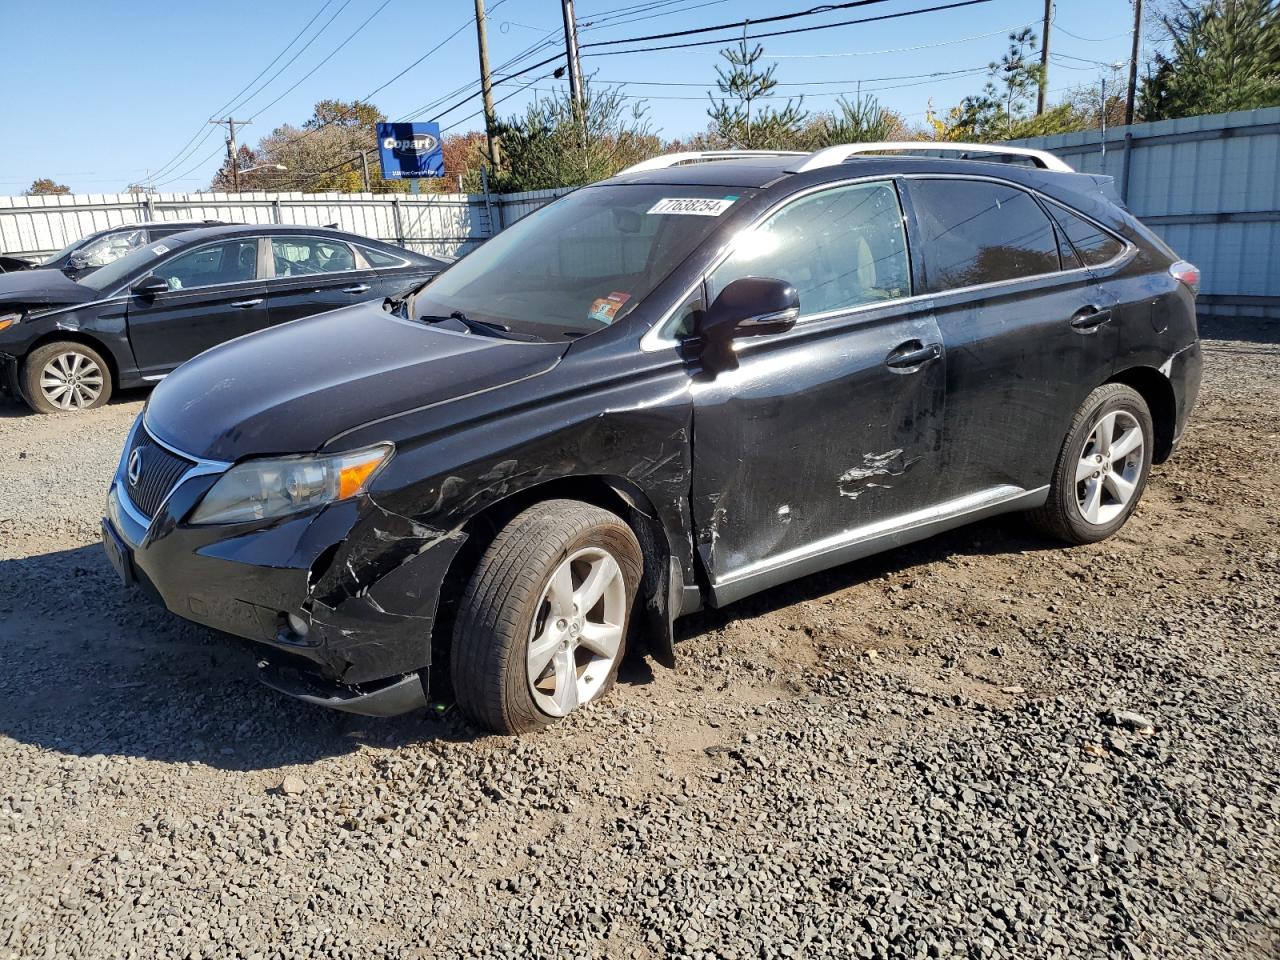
(150, 286)
(77, 262)
(747, 307)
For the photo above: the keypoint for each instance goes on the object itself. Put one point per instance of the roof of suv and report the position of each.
(765, 171)
(761, 170)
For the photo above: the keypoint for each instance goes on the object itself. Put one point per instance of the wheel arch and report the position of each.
(615, 494)
(1157, 391)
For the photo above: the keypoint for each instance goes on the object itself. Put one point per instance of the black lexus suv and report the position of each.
(705, 376)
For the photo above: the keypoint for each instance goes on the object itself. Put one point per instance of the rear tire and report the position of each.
(541, 628)
(65, 377)
(1102, 468)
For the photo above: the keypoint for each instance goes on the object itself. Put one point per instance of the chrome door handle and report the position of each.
(912, 355)
(244, 304)
(1088, 319)
(356, 288)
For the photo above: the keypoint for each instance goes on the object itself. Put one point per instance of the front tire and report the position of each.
(65, 377)
(1102, 468)
(542, 626)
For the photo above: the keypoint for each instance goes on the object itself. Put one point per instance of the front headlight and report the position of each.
(7, 320)
(260, 489)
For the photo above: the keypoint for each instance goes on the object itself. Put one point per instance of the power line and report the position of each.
(812, 11)
(797, 83)
(794, 30)
(606, 22)
(919, 46)
(177, 157)
(351, 36)
(924, 78)
(243, 100)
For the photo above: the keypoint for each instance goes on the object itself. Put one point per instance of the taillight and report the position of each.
(1187, 273)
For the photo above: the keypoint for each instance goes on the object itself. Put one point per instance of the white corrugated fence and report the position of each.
(432, 223)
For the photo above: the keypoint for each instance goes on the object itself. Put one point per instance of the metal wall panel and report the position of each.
(1210, 186)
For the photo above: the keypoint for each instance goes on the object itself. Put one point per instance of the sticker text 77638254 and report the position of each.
(695, 206)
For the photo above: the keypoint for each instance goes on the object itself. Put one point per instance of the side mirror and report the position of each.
(77, 262)
(150, 286)
(747, 307)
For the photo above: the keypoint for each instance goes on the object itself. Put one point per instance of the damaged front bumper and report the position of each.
(343, 599)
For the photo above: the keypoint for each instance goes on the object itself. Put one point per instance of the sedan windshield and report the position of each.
(581, 263)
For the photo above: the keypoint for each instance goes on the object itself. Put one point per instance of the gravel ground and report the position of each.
(981, 746)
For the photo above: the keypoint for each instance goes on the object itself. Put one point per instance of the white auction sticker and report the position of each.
(159, 249)
(696, 206)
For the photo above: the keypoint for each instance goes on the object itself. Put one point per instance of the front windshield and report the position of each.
(115, 271)
(71, 246)
(581, 263)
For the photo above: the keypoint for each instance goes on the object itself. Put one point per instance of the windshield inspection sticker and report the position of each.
(695, 206)
(605, 309)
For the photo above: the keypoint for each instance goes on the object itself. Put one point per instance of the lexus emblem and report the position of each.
(134, 468)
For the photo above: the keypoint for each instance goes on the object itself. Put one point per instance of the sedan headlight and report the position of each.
(7, 320)
(260, 489)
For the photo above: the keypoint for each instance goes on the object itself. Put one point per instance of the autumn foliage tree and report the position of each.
(44, 186)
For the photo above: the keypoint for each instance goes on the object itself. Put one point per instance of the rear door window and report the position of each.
(976, 232)
(308, 256)
(1092, 244)
(840, 248)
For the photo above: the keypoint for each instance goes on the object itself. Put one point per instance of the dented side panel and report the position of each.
(815, 434)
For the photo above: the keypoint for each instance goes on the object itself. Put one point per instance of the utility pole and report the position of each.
(576, 93)
(486, 86)
(1102, 120)
(1133, 62)
(231, 147)
(364, 163)
(1044, 57)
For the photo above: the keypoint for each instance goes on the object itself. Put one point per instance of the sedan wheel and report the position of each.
(65, 377)
(71, 381)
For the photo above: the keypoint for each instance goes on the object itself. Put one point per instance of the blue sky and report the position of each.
(102, 94)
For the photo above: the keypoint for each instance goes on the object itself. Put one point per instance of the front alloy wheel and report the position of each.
(576, 636)
(541, 628)
(65, 377)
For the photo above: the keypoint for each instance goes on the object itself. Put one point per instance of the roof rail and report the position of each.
(701, 156)
(830, 156)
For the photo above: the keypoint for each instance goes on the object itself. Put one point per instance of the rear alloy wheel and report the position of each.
(542, 626)
(65, 377)
(1102, 468)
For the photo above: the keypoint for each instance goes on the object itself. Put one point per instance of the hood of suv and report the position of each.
(40, 289)
(293, 387)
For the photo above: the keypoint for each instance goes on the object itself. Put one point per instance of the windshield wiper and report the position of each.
(485, 327)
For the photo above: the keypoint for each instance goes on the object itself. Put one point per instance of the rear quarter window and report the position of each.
(1091, 244)
(977, 232)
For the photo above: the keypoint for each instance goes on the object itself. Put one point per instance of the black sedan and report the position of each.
(65, 344)
(96, 250)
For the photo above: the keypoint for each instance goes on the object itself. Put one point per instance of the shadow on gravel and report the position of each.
(12, 408)
(92, 668)
(1006, 534)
